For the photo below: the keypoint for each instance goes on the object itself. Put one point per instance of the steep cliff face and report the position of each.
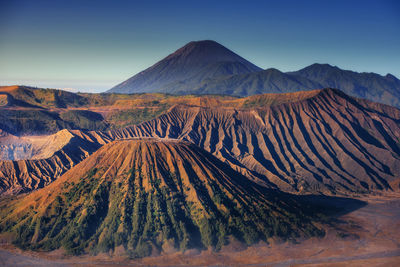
(313, 141)
(152, 195)
(33, 147)
(326, 142)
(30, 163)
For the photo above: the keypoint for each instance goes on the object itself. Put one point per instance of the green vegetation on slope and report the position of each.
(152, 208)
(31, 121)
(3, 100)
(44, 98)
(38, 121)
(43, 111)
(84, 119)
(122, 118)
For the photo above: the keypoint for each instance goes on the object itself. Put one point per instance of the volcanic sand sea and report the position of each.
(368, 236)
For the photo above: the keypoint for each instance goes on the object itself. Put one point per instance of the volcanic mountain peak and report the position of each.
(190, 63)
(151, 195)
(206, 67)
(205, 52)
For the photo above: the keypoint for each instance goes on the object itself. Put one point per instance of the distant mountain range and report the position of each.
(207, 67)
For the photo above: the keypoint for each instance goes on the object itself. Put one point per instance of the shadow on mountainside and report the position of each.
(332, 206)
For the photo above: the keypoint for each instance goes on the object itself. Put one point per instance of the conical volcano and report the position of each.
(151, 195)
(194, 62)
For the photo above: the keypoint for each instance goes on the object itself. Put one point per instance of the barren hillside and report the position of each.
(314, 141)
(322, 142)
(146, 196)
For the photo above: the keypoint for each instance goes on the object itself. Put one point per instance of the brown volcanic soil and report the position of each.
(327, 142)
(314, 141)
(366, 236)
(33, 147)
(151, 196)
(320, 143)
(50, 157)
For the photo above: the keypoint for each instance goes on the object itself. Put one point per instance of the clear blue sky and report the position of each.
(93, 45)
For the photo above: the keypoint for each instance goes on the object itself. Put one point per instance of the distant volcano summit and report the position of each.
(189, 65)
(207, 67)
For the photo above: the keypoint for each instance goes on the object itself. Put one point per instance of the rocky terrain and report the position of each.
(30, 163)
(37, 111)
(199, 173)
(316, 141)
(323, 141)
(33, 147)
(148, 196)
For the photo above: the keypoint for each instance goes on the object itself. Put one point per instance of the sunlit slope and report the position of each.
(311, 141)
(39, 160)
(328, 142)
(30, 163)
(150, 196)
(32, 111)
(26, 96)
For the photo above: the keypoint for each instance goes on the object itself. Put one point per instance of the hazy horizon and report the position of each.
(92, 46)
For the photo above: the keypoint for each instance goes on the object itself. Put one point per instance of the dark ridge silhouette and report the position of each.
(372, 86)
(207, 67)
(193, 63)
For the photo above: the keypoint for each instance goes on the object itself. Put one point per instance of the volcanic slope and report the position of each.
(369, 85)
(29, 163)
(149, 196)
(247, 84)
(32, 97)
(191, 64)
(323, 141)
(207, 67)
(311, 141)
